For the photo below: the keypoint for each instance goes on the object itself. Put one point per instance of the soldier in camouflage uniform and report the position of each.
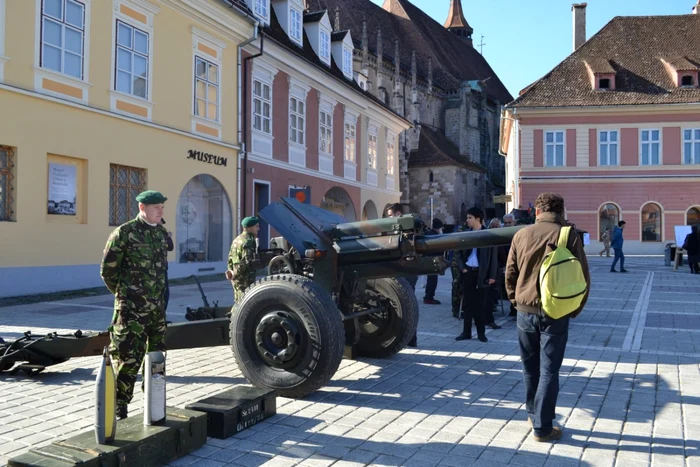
(241, 259)
(134, 268)
(456, 279)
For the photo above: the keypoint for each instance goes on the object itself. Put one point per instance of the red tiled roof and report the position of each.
(634, 47)
(435, 149)
(454, 61)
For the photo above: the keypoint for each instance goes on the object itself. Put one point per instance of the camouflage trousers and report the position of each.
(457, 289)
(134, 332)
(239, 286)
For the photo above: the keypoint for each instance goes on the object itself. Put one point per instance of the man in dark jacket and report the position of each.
(432, 280)
(479, 267)
(616, 244)
(542, 339)
(692, 246)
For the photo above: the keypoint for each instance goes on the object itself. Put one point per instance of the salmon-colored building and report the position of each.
(615, 129)
(312, 129)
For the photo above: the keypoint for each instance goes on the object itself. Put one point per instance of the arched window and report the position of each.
(693, 216)
(431, 176)
(651, 223)
(608, 217)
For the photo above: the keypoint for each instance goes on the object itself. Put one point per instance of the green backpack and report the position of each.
(562, 283)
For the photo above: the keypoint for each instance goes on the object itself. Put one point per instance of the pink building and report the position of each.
(615, 129)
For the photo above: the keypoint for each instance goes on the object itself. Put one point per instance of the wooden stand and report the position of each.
(678, 259)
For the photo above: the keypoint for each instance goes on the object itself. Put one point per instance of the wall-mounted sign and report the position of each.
(62, 189)
(303, 195)
(208, 158)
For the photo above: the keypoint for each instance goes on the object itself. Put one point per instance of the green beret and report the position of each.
(250, 221)
(151, 197)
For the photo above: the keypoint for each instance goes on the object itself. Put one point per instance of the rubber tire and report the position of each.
(316, 312)
(403, 323)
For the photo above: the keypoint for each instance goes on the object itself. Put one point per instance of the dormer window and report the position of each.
(347, 62)
(262, 8)
(682, 71)
(295, 25)
(601, 73)
(325, 46)
(687, 80)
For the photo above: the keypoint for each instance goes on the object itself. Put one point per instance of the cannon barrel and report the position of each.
(426, 245)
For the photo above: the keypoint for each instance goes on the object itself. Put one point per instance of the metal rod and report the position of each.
(368, 311)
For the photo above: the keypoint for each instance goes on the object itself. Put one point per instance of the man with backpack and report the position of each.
(548, 281)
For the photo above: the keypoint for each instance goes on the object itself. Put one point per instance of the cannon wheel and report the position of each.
(385, 333)
(287, 334)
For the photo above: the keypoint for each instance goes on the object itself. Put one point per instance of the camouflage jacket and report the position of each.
(135, 262)
(241, 258)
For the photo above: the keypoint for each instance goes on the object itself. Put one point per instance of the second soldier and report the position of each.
(242, 257)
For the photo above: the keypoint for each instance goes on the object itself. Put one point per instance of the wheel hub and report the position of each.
(277, 338)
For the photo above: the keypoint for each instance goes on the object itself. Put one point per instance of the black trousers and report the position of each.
(430, 286)
(473, 303)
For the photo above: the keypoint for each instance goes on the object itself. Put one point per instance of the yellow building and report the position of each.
(100, 100)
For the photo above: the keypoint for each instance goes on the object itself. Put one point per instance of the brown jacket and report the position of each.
(527, 252)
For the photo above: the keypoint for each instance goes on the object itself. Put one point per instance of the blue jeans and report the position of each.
(542, 344)
(619, 256)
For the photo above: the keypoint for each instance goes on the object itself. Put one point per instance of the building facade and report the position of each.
(431, 74)
(312, 131)
(615, 128)
(110, 98)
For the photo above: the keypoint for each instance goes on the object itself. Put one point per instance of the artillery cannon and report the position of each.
(330, 284)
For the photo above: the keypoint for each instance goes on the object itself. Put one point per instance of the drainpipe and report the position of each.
(242, 121)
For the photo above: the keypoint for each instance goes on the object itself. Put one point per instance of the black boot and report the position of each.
(122, 412)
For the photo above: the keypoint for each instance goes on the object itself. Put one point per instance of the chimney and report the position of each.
(696, 8)
(579, 10)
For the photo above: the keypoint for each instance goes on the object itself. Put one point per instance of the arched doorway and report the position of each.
(369, 212)
(204, 222)
(692, 217)
(338, 201)
(608, 217)
(651, 222)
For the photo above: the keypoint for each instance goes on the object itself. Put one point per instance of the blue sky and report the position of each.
(525, 39)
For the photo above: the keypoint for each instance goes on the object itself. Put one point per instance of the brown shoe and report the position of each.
(554, 435)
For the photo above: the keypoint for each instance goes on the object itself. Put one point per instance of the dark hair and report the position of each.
(437, 223)
(396, 207)
(550, 202)
(621, 223)
(476, 212)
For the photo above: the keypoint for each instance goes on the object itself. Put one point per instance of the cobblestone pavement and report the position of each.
(630, 387)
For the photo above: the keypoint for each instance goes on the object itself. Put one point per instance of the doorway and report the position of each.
(261, 198)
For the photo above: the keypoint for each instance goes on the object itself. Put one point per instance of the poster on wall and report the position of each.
(62, 189)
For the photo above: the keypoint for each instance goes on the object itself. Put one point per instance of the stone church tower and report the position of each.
(431, 74)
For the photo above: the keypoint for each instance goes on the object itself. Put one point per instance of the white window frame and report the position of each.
(554, 145)
(134, 53)
(40, 73)
(649, 142)
(64, 25)
(297, 133)
(326, 128)
(3, 59)
(207, 84)
(390, 151)
(149, 11)
(350, 135)
(694, 142)
(261, 98)
(347, 62)
(372, 148)
(608, 144)
(295, 30)
(324, 38)
(262, 8)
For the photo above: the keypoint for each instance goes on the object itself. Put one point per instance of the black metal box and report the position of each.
(135, 444)
(236, 409)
